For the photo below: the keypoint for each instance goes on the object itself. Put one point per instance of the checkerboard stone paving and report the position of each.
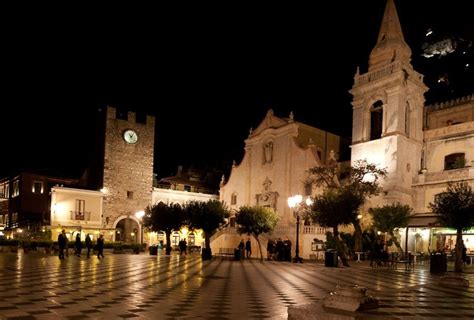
(36, 286)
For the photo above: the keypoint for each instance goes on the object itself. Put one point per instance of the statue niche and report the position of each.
(268, 197)
(268, 152)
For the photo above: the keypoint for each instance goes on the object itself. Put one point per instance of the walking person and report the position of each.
(88, 245)
(242, 249)
(248, 248)
(100, 247)
(62, 243)
(78, 245)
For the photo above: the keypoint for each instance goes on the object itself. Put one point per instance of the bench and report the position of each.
(226, 253)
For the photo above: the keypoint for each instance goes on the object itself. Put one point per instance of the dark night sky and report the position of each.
(207, 77)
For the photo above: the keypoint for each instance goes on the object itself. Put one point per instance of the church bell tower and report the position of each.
(388, 110)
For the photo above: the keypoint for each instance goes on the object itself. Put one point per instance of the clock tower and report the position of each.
(128, 171)
(388, 111)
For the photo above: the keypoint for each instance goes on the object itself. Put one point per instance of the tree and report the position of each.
(336, 207)
(363, 180)
(455, 209)
(207, 216)
(164, 217)
(255, 221)
(389, 217)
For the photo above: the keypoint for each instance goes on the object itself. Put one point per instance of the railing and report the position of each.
(452, 130)
(313, 230)
(384, 71)
(448, 175)
(84, 216)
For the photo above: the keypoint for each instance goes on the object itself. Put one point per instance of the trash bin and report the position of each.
(438, 262)
(330, 258)
(153, 250)
(236, 254)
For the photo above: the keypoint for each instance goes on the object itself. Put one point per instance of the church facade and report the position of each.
(277, 156)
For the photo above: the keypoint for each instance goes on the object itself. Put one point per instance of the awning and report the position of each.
(423, 220)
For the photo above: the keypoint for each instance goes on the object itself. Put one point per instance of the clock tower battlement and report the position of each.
(128, 169)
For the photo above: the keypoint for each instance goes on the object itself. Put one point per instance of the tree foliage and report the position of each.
(363, 182)
(208, 216)
(164, 217)
(255, 221)
(389, 217)
(455, 209)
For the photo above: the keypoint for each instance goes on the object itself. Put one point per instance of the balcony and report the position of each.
(450, 131)
(314, 230)
(82, 216)
(444, 176)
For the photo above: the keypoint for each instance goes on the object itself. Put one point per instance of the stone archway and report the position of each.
(127, 229)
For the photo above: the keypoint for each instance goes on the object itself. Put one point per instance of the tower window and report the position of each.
(129, 194)
(376, 117)
(233, 199)
(37, 187)
(187, 188)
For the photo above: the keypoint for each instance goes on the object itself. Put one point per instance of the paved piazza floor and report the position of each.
(36, 286)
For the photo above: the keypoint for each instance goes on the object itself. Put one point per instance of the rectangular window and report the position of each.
(308, 189)
(37, 187)
(233, 200)
(129, 194)
(80, 209)
(187, 188)
(2, 191)
(16, 188)
(14, 217)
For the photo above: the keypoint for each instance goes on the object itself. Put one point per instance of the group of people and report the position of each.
(245, 249)
(63, 244)
(279, 250)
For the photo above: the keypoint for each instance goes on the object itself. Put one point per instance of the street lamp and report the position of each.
(294, 203)
(139, 216)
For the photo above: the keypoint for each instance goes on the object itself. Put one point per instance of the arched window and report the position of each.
(376, 117)
(454, 161)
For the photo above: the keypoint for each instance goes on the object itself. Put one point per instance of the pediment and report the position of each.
(270, 121)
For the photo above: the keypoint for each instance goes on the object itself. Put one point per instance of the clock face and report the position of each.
(130, 136)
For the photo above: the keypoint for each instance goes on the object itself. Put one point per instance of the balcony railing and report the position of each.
(84, 216)
(447, 175)
(313, 230)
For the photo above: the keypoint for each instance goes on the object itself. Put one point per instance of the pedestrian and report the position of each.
(62, 243)
(242, 249)
(248, 248)
(78, 244)
(464, 253)
(100, 247)
(88, 245)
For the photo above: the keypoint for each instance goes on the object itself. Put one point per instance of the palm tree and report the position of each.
(455, 209)
(255, 221)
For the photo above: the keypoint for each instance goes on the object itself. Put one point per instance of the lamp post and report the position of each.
(294, 203)
(139, 216)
